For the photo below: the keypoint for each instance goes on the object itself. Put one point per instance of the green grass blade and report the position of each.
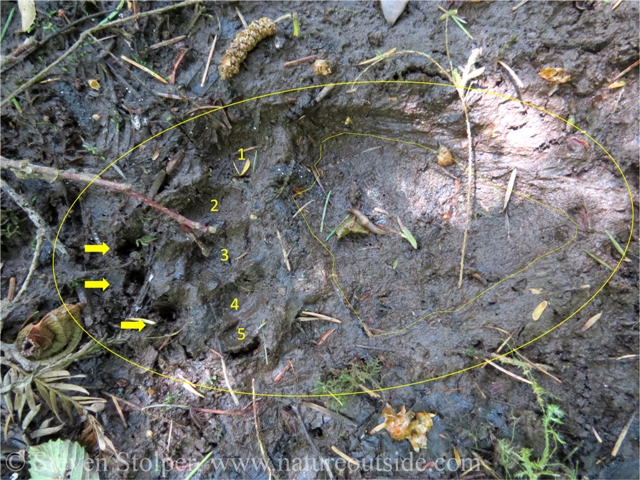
(6, 24)
(461, 26)
(324, 210)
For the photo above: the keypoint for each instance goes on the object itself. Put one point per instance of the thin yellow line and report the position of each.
(369, 82)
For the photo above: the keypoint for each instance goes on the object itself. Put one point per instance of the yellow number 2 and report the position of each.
(225, 255)
(215, 205)
(234, 304)
(241, 334)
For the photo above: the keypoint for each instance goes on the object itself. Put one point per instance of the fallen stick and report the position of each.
(226, 376)
(34, 216)
(25, 169)
(206, 68)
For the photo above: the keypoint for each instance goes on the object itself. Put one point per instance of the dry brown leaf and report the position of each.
(537, 313)
(591, 322)
(555, 75)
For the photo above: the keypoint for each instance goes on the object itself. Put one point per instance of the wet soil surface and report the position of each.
(401, 309)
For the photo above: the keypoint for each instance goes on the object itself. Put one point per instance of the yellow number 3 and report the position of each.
(225, 255)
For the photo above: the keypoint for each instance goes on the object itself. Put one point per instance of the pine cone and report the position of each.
(244, 42)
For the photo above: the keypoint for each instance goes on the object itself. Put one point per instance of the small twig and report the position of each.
(507, 195)
(301, 208)
(40, 234)
(300, 60)
(219, 412)
(624, 72)
(176, 64)
(34, 216)
(244, 22)
(29, 170)
(324, 337)
(256, 420)
(144, 69)
(119, 409)
(345, 456)
(616, 5)
(623, 434)
(166, 43)
(226, 377)
(321, 316)
(11, 294)
(206, 68)
(504, 370)
(513, 74)
(280, 375)
(519, 5)
(83, 37)
(469, 190)
(284, 252)
(324, 210)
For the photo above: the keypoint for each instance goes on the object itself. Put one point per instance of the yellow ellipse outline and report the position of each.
(381, 389)
(334, 275)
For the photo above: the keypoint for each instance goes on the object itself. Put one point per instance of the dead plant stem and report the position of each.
(25, 169)
(33, 215)
(256, 420)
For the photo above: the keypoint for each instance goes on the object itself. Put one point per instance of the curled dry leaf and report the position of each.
(537, 313)
(408, 425)
(94, 84)
(56, 333)
(555, 75)
(321, 67)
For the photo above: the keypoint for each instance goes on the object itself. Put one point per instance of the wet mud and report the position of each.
(373, 146)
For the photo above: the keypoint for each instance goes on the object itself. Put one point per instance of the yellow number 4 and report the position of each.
(234, 304)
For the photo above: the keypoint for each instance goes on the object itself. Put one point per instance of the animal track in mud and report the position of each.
(479, 253)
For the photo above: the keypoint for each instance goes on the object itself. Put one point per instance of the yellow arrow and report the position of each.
(103, 284)
(104, 248)
(137, 325)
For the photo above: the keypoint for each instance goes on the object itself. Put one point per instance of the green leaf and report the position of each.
(59, 459)
(407, 234)
(457, 79)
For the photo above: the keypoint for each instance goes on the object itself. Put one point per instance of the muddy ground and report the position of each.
(380, 283)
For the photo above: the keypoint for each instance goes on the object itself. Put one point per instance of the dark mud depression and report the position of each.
(375, 283)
